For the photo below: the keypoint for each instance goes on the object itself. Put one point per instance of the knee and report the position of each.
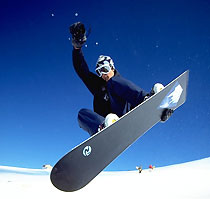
(81, 117)
(82, 112)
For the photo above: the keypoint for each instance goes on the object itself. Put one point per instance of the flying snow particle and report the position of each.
(76, 14)
(69, 39)
(96, 43)
(86, 45)
(52, 15)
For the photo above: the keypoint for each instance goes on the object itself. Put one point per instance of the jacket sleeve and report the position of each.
(91, 80)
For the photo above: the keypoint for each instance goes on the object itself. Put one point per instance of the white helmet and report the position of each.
(104, 65)
(103, 60)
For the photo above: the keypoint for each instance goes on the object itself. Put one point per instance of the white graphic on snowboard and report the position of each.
(87, 151)
(172, 98)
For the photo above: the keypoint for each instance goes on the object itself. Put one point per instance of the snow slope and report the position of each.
(188, 180)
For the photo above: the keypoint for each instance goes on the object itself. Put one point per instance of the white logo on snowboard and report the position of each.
(87, 151)
(172, 98)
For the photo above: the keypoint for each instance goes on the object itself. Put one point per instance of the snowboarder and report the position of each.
(151, 167)
(112, 93)
(139, 169)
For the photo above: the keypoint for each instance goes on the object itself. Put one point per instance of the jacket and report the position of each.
(118, 95)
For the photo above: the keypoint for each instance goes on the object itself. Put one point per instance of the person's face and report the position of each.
(108, 76)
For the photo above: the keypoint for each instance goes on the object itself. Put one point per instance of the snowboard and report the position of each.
(83, 163)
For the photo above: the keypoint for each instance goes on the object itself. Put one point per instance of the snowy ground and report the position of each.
(189, 180)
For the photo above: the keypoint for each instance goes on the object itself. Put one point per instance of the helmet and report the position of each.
(104, 64)
(103, 60)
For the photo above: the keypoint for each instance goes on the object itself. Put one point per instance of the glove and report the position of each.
(78, 34)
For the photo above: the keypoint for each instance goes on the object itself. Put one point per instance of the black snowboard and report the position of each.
(83, 163)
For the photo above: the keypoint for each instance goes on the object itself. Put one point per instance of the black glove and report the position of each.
(78, 34)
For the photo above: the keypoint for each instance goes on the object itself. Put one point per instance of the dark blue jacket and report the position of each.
(118, 95)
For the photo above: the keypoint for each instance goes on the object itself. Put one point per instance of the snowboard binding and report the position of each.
(78, 34)
(166, 114)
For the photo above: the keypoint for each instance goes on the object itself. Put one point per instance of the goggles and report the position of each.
(104, 69)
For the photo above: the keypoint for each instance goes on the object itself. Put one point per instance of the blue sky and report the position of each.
(149, 41)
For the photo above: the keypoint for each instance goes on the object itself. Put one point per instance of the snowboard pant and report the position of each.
(89, 121)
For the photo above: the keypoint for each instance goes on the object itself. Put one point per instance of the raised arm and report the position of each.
(91, 80)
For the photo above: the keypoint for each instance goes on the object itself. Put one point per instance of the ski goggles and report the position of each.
(104, 69)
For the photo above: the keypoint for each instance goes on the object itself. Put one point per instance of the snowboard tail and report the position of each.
(83, 163)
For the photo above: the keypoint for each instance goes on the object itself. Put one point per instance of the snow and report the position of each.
(188, 180)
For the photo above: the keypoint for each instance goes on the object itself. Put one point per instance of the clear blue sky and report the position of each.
(149, 41)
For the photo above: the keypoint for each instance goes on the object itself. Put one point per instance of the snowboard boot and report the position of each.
(109, 120)
(155, 89)
(166, 114)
